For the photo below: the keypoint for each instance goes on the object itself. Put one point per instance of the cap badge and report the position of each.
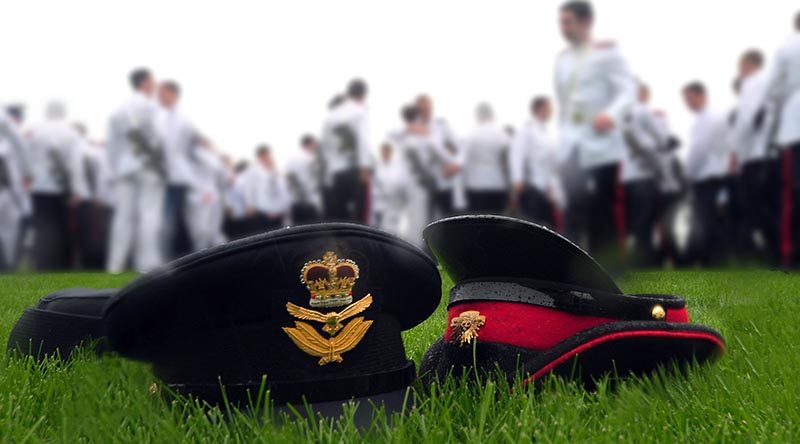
(466, 325)
(330, 280)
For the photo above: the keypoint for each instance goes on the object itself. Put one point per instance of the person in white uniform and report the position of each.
(236, 220)
(12, 183)
(94, 212)
(136, 157)
(706, 169)
(204, 203)
(56, 158)
(266, 194)
(181, 141)
(485, 161)
(302, 176)
(446, 163)
(595, 90)
(346, 158)
(641, 171)
(533, 164)
(758, 186)
(784, 94)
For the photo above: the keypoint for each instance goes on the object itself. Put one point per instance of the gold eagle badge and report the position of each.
(343, 337)
(466, 325)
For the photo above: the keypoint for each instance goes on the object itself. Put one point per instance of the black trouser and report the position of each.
(536, 207)
(790, 206)
(51, 246)
(304, 213)
(261, 223)
(641, 205)
(93, 229)
(176, 231)
(347, 199)
(713, 217)
(759, 208)
(236, 228)
(486, 202)
(606, 211)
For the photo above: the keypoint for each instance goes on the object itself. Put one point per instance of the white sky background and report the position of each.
(264, 71)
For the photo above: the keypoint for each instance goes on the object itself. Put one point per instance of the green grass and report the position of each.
(751, 395)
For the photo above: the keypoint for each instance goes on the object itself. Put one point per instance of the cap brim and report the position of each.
(617, 349)
(476, 247)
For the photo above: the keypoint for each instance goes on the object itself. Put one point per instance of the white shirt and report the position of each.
(56, 159)
(138, 113)
(534, 156)
(98, 177)
(345, 139)
(650, 135)
(235, 200)
(784, 90)
(446, 153)
(748, 140)
(302, 178)
(265, 190)
(419, 155)
(485, 158)
(180, 142)
(590, 80)
(708, 150)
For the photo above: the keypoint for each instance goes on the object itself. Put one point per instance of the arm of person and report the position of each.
(363, 159)
(623, 85)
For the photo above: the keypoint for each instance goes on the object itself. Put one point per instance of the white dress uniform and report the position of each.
(708, 151)
(448, 154)
(304, 188)
(749, 137)
(180, 140)
(204, 209)
(344, 152)
(533, 160)
(12, 195)
(391, 187)
(643, 126)
(265, 190)
(485, 170)
(590, 80)
(784, 90)
(139, 184)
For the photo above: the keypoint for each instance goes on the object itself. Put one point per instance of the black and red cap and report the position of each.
(529, 302)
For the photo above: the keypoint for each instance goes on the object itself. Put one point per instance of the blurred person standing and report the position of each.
(14, 178)
(204, 211)
(138, 169)
(595, 90)
(304, 188)
(706, 169)
(235, 221)
(641, 173)
(446, 163)
(533, 164)
(93, 213)
(784, 93)
(265, 192)
(485, 161)
(58, 186)
(758, 165)
(345, 154)
(180, 139)
(390, 190)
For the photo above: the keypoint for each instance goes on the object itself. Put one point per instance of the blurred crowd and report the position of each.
(607, 174)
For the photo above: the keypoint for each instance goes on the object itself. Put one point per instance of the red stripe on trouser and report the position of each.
(619, 210)
(786, 208)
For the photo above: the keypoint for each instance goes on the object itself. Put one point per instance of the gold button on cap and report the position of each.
(658, 313)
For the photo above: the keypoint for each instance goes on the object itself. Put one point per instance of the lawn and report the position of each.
(750, 395)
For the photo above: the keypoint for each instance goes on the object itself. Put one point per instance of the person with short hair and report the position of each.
(266, 196)
(139, 173)
(346, 156)
(595, 90)
(706, 170)
(533, 161)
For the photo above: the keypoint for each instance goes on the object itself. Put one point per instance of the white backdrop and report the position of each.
(263, 71)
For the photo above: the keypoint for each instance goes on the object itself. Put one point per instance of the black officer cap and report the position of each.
(529, 302)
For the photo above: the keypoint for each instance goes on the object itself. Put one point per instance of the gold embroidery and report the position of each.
(466, 325)
(330, 349)
(330, 280)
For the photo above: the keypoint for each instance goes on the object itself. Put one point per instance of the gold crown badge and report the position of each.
(330, 280)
